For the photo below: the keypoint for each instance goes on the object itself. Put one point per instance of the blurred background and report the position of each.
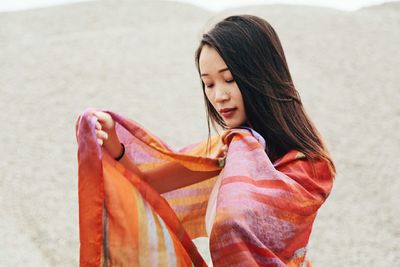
(137, 58)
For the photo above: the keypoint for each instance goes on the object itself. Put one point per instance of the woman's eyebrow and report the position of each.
(221, 70)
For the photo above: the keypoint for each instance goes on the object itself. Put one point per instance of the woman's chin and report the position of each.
(235, 124)
(232, 125)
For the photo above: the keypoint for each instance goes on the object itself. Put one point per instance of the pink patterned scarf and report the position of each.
(264, 215)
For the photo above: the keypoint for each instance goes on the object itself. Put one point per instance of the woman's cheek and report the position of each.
(209, 96)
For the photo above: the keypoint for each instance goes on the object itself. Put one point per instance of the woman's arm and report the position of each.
(165, 178)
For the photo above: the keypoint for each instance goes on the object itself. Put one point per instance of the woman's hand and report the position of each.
(106, 134)
(222, 151)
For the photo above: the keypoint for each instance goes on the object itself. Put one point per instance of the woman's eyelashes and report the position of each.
(211, 85)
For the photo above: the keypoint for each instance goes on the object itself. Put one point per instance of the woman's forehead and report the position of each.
(210, 61)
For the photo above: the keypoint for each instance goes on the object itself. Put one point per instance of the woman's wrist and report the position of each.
(113, 145)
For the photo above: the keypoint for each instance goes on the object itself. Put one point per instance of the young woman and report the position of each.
(248, 88)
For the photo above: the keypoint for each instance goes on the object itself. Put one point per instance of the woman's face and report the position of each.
(220, 88)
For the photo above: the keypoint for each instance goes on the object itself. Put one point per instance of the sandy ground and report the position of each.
(136, 58)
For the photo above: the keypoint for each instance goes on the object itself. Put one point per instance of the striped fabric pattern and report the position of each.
(264, 213)
(265, 210)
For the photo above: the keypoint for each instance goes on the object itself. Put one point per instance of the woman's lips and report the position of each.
(227, 112)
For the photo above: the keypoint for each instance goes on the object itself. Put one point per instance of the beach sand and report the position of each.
(137, 58)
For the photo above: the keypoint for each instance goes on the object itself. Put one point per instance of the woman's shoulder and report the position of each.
(314, 174)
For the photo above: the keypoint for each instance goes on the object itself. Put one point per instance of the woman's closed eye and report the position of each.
(211, 85)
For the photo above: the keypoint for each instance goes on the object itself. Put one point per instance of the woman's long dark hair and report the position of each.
(254, 55)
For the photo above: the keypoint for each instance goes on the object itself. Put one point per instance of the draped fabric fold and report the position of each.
(264, 210)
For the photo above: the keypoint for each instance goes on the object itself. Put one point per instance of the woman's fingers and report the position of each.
(224, 148)
(101, 136)
(222, 151)
(104, 119)
(98, 125)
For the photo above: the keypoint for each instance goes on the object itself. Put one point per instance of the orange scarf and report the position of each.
(264, 214)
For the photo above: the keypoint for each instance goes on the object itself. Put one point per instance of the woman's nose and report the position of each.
(221, 94)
